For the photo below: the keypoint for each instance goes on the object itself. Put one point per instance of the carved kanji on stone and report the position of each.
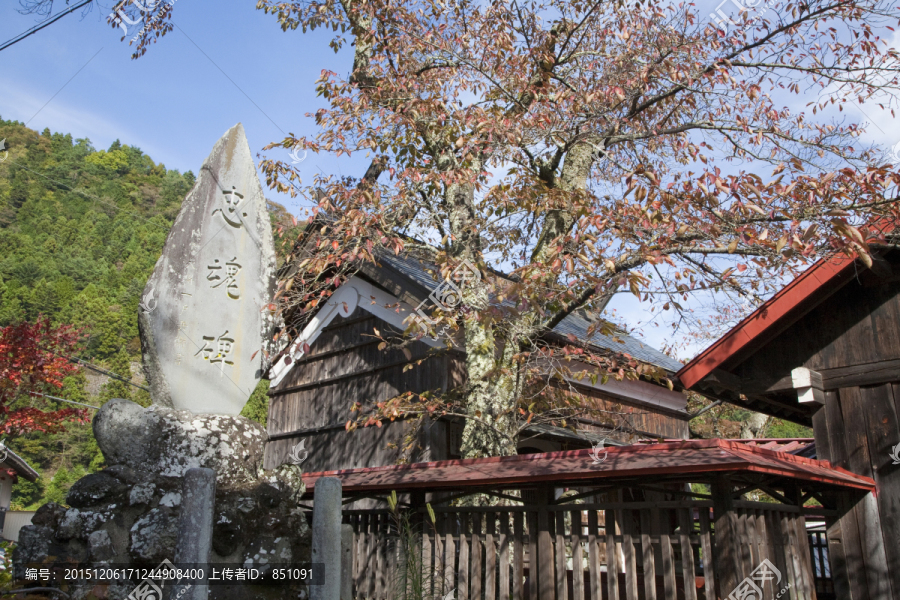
(203, 340)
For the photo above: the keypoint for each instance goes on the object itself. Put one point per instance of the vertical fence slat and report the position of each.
(626, 524)
(805, 557)
(773, 528)
(427, 556)
(612, 556)
(532, 527)
(440, 556)
(668, 558)
(381, 589)
(503, 567)
(801, 546)
(709, 584)
(450, 553)
(762, 544)
(462, 578)
(518, 556)
(490, 556)
(543, 560)
(393, 553)
(685, 523)
(560, 551)
(790, 548)
(577, 557)
(750, 538)
(475, 560)
(358, 541)
(371, 555)
(593, 555)
(747, 564)
(648, 560)
(475, 574)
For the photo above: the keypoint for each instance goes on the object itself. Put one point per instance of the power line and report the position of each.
(64, 400)
(100, 370)
(46, 23)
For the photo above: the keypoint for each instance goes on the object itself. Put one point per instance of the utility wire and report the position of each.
(88, 365)
(46, 23)
(100, 370)
(64, 400)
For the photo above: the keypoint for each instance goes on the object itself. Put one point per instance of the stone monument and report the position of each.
(204, 319)
(204, 330)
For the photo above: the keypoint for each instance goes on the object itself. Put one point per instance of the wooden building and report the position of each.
(825, 352)
(334, 361)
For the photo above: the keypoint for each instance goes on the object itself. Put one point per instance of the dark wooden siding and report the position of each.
(858, 325)
(628, 418)
(344, 366)
(640, 420)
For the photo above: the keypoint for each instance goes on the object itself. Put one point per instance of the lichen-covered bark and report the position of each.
(495, 382)
(493, 386)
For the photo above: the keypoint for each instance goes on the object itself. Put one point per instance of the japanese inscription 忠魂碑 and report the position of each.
(216, 269)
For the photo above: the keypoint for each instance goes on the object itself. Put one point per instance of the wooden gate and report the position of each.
(609, 551)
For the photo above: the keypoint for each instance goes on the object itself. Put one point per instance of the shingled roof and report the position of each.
(420, 271)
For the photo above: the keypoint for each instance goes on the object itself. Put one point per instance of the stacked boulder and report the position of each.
(128, 514)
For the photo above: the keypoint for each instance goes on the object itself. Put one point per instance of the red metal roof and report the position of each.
(825, 276)
(789, 445)
(576, 467)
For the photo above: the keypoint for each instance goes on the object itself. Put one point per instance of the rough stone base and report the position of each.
(129, 516)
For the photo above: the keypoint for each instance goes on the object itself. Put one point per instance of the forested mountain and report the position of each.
(80, 232)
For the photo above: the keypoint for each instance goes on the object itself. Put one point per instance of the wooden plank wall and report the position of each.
(345, 366)
(856, 330)
(856, 430)
(857, 325)
(643, 419)
(660, 551)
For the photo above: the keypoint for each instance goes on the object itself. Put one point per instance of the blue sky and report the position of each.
(225, 62)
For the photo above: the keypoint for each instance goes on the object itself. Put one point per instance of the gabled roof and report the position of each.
(19, 465)
(796, 299)
(576, 324)
(694, 460)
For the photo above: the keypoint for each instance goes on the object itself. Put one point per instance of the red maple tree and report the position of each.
(33, 359)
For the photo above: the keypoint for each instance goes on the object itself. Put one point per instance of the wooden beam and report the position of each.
(808, 384)
(321, 382)
(886, 371)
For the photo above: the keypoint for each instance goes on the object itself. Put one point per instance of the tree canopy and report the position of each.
(588, 146)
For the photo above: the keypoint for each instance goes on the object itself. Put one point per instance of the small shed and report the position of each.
(825, 352)
(333, 361)
(12, 467)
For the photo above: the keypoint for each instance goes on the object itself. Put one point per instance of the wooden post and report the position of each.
(540, 567)
(198, 501)
(326, 538)
(346, 562)
(727, 551)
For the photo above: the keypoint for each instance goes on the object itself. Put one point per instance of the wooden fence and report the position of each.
(609, 551)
